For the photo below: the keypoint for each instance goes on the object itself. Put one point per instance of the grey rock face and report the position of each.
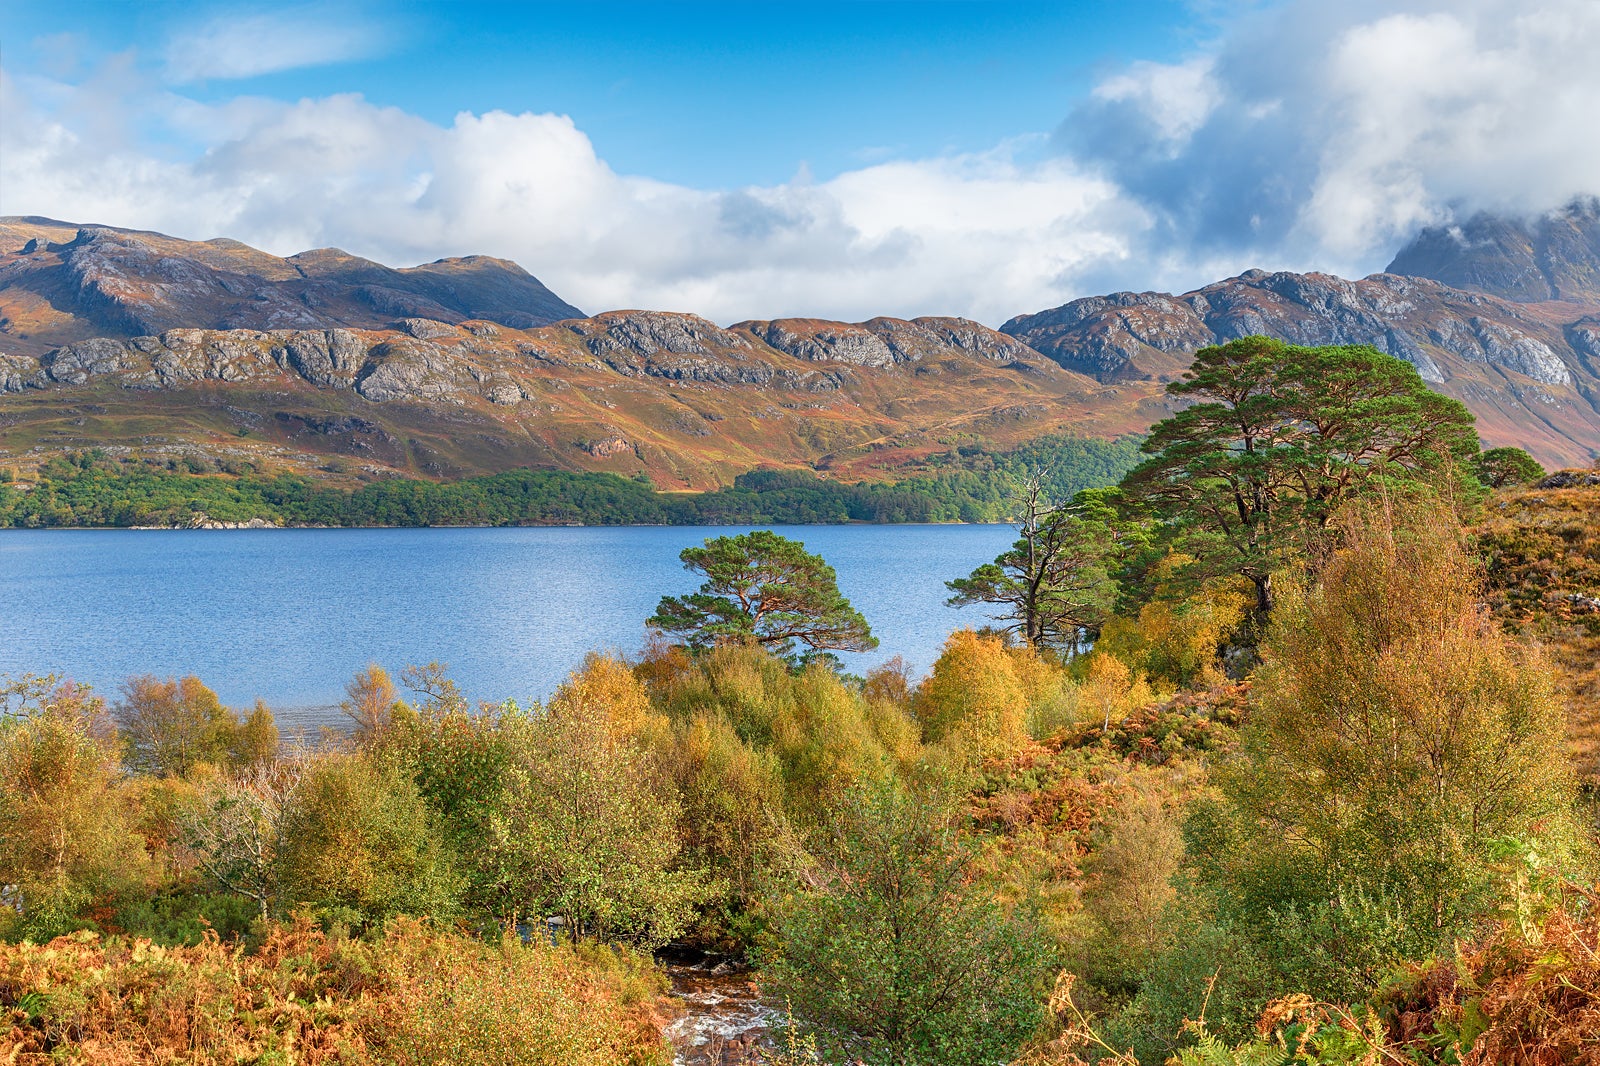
(1569, 479)
(1101, 335)
(506, 394)
(426, 329)
(973, 338)
(76, 363)
(326, 358)
(1404, 317)
(1584, 336)
(198, 355)
(685, 348)
(1555, 256)
(1509, 347)
(408, 369)
(885, 342)
(648, 333)
(836, 344)
(17, 373)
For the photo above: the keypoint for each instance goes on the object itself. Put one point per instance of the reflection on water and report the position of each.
(290, 615)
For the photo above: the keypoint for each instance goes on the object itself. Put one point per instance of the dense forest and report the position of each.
(1279, 751)
(970, 484)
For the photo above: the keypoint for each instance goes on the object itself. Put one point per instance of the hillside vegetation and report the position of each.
(967, 485)
(1122, 818)
(1260, 782)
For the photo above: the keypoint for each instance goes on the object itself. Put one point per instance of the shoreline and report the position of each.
(234, 527)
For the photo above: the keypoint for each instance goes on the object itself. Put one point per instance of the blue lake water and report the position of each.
(290, 615)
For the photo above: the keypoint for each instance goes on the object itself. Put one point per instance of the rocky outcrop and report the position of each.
(1570, 479)
(682, 347)
(423, 361)
(16, 372)
(326, 358)
(885, 342)
(816, 342)
(404, 368)
(1101, 335)
(1554, 256)
(1117, 337)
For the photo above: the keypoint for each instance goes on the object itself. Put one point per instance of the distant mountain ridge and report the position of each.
(149, 345)
(156, 345)
(61, 283)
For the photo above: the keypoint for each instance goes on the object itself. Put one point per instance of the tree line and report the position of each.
(971, 484)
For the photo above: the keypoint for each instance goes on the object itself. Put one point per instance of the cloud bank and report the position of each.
(1304, 139)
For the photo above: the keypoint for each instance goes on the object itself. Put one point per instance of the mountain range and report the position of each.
(151, 345)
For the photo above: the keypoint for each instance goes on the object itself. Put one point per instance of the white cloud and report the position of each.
(240, 45)
(1176, 98)
(1310, 137)
(978, 235)
(1324, 135)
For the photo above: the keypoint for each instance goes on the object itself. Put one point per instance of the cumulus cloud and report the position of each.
(1312, 136)
(981, 235)
(1325, 135)
(243, 45)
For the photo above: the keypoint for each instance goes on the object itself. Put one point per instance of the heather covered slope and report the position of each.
(668, 395)
(1542, 546)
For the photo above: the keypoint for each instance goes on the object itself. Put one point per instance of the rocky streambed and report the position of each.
(724, 1022)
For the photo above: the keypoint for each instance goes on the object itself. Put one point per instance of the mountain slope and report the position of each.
(1530, 373)
(669, 395)
(162, 347)
(61, 283)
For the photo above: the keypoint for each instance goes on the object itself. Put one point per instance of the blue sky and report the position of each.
(708, 94)
(830, 159)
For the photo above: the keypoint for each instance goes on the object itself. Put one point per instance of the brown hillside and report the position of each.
(1542, 545)
(143, 342)
(669, 395)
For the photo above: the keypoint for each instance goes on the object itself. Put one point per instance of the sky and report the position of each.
(838, 160)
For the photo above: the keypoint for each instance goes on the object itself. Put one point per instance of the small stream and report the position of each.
(724, 1021)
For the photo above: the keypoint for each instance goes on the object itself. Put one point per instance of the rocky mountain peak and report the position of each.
(1554, 256)
(1530, 380)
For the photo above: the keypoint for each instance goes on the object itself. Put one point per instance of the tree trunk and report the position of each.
(1263, 584)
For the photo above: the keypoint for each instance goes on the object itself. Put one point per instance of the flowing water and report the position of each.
(724, 1021)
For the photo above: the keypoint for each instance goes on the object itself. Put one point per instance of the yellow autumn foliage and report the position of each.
(984, 697)
(606, 687)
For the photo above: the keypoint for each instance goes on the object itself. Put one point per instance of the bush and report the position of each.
(890, 957)
(359, 845)
(69, 836)
(1394, 738)
(984, 698)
